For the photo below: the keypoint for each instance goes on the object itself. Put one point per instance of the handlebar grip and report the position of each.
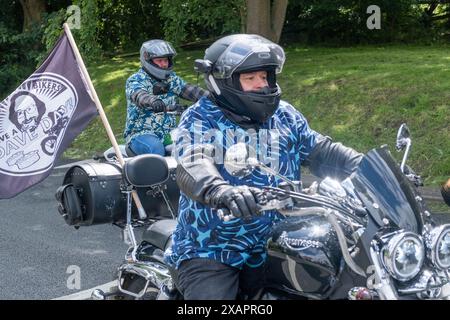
(225, 214)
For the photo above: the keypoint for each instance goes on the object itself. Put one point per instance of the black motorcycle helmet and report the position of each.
(232, 55)
(157, 49)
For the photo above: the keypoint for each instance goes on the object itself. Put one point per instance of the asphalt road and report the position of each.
(41, 256)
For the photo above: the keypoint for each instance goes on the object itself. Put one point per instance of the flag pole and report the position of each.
(102, 114)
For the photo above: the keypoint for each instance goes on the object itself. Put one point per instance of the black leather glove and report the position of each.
(241, 201)
(200, 181)
(158, 106)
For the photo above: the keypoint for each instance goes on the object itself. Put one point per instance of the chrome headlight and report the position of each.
(438, 243)
(403, 255)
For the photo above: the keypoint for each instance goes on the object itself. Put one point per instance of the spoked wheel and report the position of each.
(48, 145)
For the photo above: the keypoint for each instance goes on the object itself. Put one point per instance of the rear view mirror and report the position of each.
(403, 137)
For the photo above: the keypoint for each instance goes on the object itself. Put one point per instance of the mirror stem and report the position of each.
(405, 156)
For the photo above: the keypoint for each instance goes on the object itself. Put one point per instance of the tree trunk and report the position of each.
(265, 20)
(258, 17)
(431, 9)
(278, 17)
(32, 12)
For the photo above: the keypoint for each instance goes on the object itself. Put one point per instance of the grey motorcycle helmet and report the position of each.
(157, 49)
(232, 55)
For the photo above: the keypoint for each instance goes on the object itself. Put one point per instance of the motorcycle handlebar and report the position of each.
(271, 202)
(177, 109)
(283, 203)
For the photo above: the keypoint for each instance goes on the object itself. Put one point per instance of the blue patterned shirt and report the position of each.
(143, 121)
(199, 232)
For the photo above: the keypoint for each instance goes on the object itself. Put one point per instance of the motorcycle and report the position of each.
(370, 236)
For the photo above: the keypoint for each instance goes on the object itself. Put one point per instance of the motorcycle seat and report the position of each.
(146, 170)
(160, 232)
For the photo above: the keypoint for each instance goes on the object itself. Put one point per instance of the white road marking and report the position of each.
(86, 294)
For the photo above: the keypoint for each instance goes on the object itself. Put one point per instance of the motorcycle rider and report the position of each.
(216, 259)
(150, 92)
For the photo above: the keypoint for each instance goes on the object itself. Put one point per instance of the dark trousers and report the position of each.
(206, 279)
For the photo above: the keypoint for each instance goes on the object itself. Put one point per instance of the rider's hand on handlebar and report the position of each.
(158, 106)
(178, 108)
(241, 201)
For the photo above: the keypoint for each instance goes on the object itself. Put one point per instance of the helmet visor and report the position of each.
(158, 48)
(258, 51)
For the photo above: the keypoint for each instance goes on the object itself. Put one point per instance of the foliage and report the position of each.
(17, 60)
(18, 50)
(186, 21)
(108, 26)
(361, 95)
(86, 37)
(21, 52)
(344, 22)
(125, 25)
(52, 31)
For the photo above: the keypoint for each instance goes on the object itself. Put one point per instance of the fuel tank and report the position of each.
(304, 256)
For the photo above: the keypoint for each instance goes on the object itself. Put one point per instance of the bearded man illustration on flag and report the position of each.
(40, 119)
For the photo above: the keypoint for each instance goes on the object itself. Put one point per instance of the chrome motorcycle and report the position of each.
(370, 236)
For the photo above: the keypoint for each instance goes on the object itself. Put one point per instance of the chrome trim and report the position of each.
(429, 285)
(383, 285)
(418, 286)
(98, 294)
(388, 251)
(432, 240)
(154, 273)
(445, 292)
(405, 155)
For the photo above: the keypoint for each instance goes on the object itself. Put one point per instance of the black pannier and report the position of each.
(91, 194)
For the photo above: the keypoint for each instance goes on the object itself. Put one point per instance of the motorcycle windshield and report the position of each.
(386, 192)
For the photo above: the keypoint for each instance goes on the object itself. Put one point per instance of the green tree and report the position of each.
(265, 17)
(124, 25)
(185, 21)
(344, 21)
(86, 37)
(33, 11)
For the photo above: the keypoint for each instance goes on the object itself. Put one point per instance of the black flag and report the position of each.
(40, 119)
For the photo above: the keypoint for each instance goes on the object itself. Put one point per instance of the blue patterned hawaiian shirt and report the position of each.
(143, 121)
(283, 142)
